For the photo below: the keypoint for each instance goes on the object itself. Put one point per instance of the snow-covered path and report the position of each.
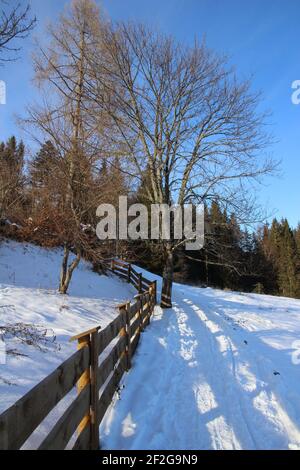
(221, 370)
(215, 372)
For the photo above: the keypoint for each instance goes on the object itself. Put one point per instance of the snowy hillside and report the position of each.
(215, 372)
(28, 295)
(218, 371)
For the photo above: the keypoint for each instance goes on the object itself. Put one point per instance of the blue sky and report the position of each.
(261, 38)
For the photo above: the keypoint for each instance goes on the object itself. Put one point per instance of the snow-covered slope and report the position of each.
(28, 295)
(218, 371)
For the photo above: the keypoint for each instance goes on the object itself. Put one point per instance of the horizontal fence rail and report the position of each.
(128, 273)
(95, 370)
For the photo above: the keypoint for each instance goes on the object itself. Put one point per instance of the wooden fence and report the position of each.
(95, 369)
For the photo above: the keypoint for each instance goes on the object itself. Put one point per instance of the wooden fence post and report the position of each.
(151, 300)
(124, 310)
(139, 298)
(113, 265)
(83, 381)
(150, 290)
(128, 335)
(95, 438)
(90, 376)
(129, 273)
(154, 283)
(140, 283)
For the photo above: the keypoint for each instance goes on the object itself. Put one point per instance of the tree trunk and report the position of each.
(67, 271)
(166, 292)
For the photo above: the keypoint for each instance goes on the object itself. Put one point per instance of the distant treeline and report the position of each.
(264, 261)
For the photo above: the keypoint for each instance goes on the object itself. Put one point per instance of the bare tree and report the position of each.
(15, 24)
(75, 124)
(188, 122)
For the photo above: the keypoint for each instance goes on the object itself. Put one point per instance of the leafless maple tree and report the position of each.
(187, 121)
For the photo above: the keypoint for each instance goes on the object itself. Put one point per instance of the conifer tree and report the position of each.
(11, 175)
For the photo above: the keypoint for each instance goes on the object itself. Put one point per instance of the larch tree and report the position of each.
(75, 124)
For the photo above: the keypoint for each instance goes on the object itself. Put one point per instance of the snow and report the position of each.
(28, 294)
(218, 371)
